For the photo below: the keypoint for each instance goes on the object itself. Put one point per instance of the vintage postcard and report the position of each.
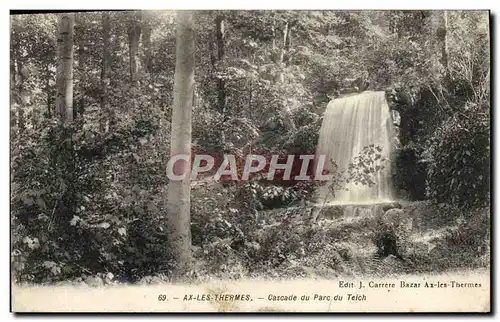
(250, 161)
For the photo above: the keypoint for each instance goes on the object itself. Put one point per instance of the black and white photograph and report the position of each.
(250, 161)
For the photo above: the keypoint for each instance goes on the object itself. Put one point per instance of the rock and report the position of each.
(344, 250)
(396, 118)
(392, 232)
(391, 260)
(397, 218)
(94, 281)
(394, 205)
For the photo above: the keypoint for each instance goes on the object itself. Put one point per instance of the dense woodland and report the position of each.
(99, 101)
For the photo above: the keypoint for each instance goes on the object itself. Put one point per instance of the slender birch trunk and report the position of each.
(64, 77)
(179, 191)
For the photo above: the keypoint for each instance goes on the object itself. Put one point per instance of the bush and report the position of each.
(76, 209)
(409, 175)
(472, 236)
(459, 170)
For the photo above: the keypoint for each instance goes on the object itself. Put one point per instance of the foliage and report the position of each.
(459, 170)
(409, 174)
(88, 198)
(360, 171)
(445, 126)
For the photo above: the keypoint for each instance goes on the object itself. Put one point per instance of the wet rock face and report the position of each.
(396, 118)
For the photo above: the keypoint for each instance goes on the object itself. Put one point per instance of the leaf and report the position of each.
(27, 200)
(143, 141)
(122, 231)
(49, 264)
(32, 243)
(151, 207)
(104, 225)
(75, 220)
(41, 203)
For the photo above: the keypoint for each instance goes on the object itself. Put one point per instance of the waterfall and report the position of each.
(350, 124)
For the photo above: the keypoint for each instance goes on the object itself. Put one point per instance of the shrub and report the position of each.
(75, 206)
(459, 170)
(409, 174)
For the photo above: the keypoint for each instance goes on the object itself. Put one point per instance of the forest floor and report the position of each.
(432, 256)
(438, 241)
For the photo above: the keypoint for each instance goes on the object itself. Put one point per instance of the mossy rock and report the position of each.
(396, 205)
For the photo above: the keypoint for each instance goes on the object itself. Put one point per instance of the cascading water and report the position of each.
(350, 124)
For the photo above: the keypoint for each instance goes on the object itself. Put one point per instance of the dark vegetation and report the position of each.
(88, 198)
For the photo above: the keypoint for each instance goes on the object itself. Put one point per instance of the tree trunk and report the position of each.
(221, 85)
(78, 111)
(283, 46)
(23, 98)
(146, 42)
(179, 191)
(47, 90)
(134, 33)
(107, 114)
(280, 76)
(393, 21)
(64, 78)
(288, 45)
(13, 90)
(213, 60)
(17, 78)
(442, 32)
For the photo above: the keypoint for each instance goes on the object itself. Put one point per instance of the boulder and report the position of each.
(392, 205)
(392, 232)
(396, 118)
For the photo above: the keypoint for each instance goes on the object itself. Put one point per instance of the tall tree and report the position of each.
(13, 116)
(179, 191)
(18, 76)
(442, 35)
(279, 54)
(146, 40)
(80, 104)
(391, 17)
(49, 98)
(221, 85)
(134, 34)
(105, 66)
(217, 60)
(64, 77)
